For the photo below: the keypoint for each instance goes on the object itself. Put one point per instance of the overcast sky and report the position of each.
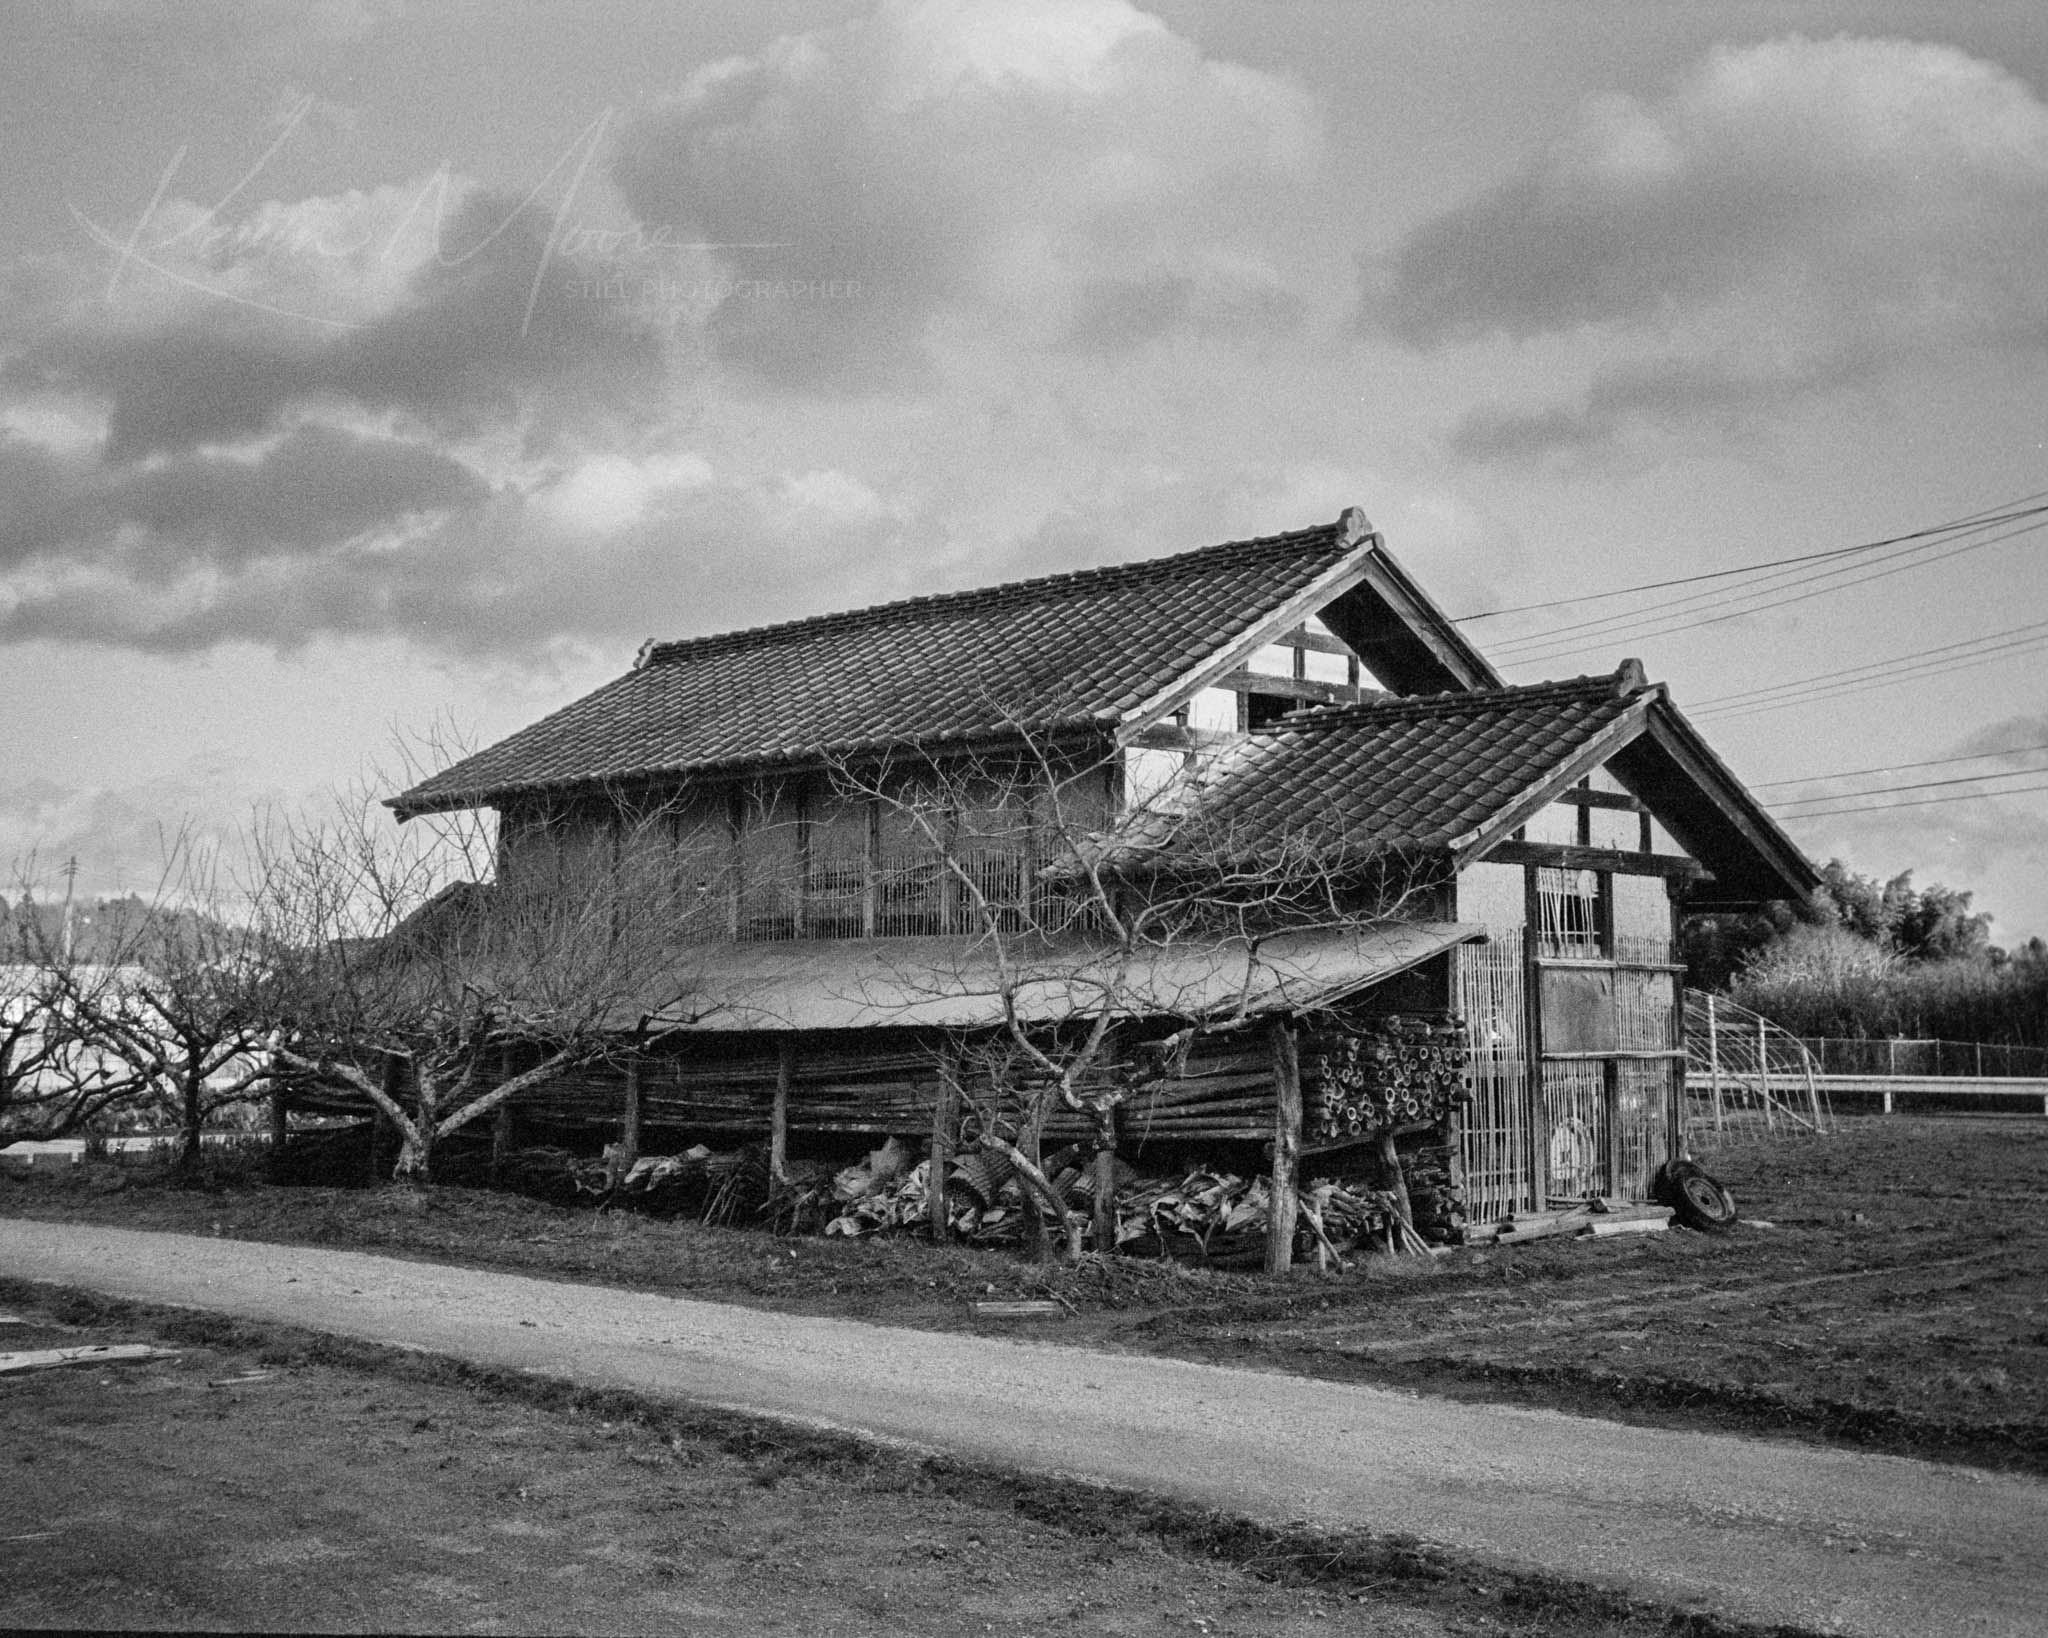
(366, 366)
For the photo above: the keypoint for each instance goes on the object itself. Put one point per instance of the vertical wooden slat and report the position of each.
(945, 1109)
(1286, 1197)
(778, 1119)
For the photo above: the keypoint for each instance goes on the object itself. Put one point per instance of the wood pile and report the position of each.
(1401, 1071)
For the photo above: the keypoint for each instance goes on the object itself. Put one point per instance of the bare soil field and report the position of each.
(266, 1479)
(1897, 1302)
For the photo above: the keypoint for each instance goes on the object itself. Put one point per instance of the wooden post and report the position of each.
(1286, 1201)
(1105, 1190)
(945, 1111)
(1538, 1102)
(502, 1131)
(1714, 1059)
(280, 1127)
(629, 1120)
(1763, 1069)
(1397, 1183)
(778, 1118)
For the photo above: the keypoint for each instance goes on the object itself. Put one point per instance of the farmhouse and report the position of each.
(1225, 834)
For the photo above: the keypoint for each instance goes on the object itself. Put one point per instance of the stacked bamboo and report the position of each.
(1403, 1070)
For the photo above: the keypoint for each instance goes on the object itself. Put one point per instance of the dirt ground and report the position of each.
(1897, 1302)
(274, 1481)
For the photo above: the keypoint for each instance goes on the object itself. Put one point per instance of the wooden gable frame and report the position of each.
(1379, 616)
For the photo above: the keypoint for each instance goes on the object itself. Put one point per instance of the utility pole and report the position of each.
(70, 880)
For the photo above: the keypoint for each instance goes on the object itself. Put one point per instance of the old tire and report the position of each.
(1695, 1199)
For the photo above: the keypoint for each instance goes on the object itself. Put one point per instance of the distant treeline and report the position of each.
(1870, 958)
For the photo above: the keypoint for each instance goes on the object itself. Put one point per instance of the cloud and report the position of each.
(214, 330)
(330, 535)
(294, 421)
(1071, 173)
(142, 36)
(1789, 218)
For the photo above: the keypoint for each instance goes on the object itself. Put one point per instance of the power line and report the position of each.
(1980, 519)
(1911, 673)
(1868, 665)
(1896, 767)
(1759, 603)
(1919, 802)
(1916, 785)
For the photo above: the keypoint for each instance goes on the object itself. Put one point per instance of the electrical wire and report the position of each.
(1868, 665)
(1766, 575)
(1917, 802)
(1916, 785)
(1896, 767)
(1911, 673)
(1758, 601)
(1973, 519)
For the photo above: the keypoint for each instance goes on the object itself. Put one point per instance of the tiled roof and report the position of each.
(1409, 775)
(1064, 649)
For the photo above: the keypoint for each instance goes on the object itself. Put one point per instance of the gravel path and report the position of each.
(1828, 1539)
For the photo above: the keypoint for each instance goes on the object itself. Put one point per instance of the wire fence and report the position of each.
(1904, 1056)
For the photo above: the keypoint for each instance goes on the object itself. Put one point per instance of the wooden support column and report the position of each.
(629, 1119)
(778, 1118)
(945, 1113)
(1286, 1202)
(280, 1128)
(502, 1129)
(1537, 1106)
(1105, 1190)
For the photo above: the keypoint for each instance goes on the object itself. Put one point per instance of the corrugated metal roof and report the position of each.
(1065, 650)
(960, 984)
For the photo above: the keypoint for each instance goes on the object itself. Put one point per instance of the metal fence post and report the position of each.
(1714, 1059)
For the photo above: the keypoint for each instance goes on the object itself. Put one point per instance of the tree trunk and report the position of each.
(416, 1156)
(189, 1118)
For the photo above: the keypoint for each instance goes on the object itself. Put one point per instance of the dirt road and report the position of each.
(1828, 1539)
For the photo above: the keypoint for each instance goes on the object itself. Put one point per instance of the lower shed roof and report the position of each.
(962, 983)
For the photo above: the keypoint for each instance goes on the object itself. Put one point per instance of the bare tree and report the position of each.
(177, 1010)
(411, 956)
(54, 1081)
(1107, 929)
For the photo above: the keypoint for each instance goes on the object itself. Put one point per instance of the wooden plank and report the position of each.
(106, 1353)
(1559, 856)
(1293, 688)
(1286, 1199)
(1016, 1309)
(1580, 796)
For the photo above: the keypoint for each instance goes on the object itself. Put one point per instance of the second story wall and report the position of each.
(852, 855)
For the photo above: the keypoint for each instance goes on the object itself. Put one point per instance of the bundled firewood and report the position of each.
(1391, 1072)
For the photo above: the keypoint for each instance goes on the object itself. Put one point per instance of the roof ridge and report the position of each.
(656, 652)
(1621, 683)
